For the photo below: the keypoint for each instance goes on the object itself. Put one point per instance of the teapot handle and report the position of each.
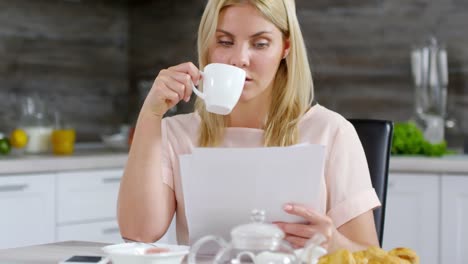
(197, 245)
(312, 250)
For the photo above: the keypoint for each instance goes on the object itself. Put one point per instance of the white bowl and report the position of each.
(115, 141)
(134, 253)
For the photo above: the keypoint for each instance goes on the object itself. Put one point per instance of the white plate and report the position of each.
(134, 253)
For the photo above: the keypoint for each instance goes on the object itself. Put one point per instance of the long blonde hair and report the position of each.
(292, 92)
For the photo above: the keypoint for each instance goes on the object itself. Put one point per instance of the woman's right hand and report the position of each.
(170, 87)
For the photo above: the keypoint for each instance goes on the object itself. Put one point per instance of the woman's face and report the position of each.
(244, 38)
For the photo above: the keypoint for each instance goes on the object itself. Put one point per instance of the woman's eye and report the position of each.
(225, 43)
(261, 45)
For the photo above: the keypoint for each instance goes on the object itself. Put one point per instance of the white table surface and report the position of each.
(50, 253)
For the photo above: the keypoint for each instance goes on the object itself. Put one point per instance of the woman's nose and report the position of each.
(240, 57)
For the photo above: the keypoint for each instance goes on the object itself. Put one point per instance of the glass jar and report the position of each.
(63, 136)
(36, 124)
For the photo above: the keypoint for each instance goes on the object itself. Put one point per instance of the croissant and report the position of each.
(406, 254)
(338, 257)
(372, 255)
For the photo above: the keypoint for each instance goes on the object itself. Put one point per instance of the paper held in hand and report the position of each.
(222, 185)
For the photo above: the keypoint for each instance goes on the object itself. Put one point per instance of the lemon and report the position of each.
(18, 138)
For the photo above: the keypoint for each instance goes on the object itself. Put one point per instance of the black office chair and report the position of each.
(376, 139)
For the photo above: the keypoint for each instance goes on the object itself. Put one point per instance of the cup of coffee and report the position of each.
(222, 87)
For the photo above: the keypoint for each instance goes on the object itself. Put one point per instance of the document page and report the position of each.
(221, 186)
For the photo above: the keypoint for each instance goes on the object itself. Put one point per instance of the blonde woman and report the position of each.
(262, 37)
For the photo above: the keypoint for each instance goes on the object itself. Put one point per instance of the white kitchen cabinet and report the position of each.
(87, 205)
(89, 195)
(454, 231)
(27, 206)
(412, 215)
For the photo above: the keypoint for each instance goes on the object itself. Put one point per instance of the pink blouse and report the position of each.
(346, 192)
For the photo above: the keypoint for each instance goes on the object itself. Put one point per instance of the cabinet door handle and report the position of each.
(13, 188)
(111, 180)
(110, 230)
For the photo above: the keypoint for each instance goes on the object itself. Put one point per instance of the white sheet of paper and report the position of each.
(222, 185)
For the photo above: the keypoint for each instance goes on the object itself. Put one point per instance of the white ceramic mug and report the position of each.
(222, 87)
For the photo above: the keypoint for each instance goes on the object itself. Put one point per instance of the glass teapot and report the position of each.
(259, 243)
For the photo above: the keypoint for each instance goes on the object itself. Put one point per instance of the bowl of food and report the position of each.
(140, 253)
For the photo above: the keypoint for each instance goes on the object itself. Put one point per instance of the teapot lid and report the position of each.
(257, 235)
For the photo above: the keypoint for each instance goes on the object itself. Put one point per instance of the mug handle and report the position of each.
(198, 92)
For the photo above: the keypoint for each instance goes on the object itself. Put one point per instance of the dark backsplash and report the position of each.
(73, 54)
(92, 60)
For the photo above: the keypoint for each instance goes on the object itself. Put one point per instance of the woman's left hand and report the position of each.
(298, 234)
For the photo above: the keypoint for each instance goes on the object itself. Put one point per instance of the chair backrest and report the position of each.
(376, 139)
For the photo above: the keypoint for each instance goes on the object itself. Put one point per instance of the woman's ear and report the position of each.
(287, 48)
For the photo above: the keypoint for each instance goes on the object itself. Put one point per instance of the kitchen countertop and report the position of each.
(96, 156)
(85, 157)
(450, 164)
